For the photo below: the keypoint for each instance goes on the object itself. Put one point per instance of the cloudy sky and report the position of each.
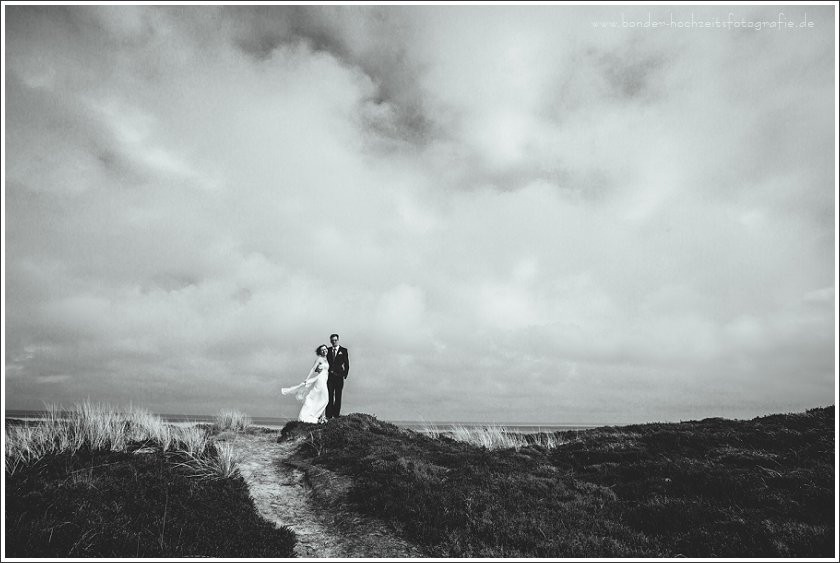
(508, 213)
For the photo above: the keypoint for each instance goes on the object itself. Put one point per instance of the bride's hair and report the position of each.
(318, 349)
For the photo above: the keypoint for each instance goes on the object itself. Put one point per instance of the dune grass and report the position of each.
(225, 463)
(233, 420)
(96, 426)
(492, 436)
(711, 488)
(96, 481)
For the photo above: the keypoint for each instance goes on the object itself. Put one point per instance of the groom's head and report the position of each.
(334, 340)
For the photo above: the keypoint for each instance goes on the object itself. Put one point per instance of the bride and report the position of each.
(313, 391)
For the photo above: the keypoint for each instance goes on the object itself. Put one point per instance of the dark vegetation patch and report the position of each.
(716, 487)
(709, 488)
(458, 500)
(110, 504)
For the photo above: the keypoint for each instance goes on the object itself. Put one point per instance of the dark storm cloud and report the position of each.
(374, 39)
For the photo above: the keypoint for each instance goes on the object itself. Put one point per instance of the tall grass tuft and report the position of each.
(102, 427)
(429, 429)
(547, 440)
(493, 437)
(223, 462)
(229, 419)
(193, 441)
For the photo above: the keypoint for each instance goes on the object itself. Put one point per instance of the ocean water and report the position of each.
(416, 425)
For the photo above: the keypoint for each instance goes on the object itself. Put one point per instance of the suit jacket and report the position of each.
(339, 363)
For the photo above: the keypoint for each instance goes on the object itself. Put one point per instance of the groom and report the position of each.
(339, 360)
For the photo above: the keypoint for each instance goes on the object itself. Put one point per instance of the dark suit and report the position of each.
(339, 368)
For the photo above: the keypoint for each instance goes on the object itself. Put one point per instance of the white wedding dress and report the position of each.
(313, 392)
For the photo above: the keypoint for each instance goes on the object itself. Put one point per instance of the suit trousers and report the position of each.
(335, 384)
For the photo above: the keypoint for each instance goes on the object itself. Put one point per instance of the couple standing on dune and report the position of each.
(321, 391)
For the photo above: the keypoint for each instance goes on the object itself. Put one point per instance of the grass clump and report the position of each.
(233, 420)
(494, 437)
(223, 464)
(711, 488)
(490, 437)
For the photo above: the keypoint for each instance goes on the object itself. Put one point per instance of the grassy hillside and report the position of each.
(97, 482)
(111, 504)
(711, 488)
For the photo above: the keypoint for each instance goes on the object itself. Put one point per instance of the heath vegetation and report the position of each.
(97, 481)
(709, 488)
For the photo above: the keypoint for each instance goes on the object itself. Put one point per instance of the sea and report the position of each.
(416, 425)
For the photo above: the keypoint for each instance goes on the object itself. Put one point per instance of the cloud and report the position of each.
(506, 213)
(373, 39)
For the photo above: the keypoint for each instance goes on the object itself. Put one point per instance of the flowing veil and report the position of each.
(300, 390)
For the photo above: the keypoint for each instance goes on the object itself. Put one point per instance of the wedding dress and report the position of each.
(313, 392)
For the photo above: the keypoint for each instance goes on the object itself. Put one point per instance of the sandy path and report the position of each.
(282, 494)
